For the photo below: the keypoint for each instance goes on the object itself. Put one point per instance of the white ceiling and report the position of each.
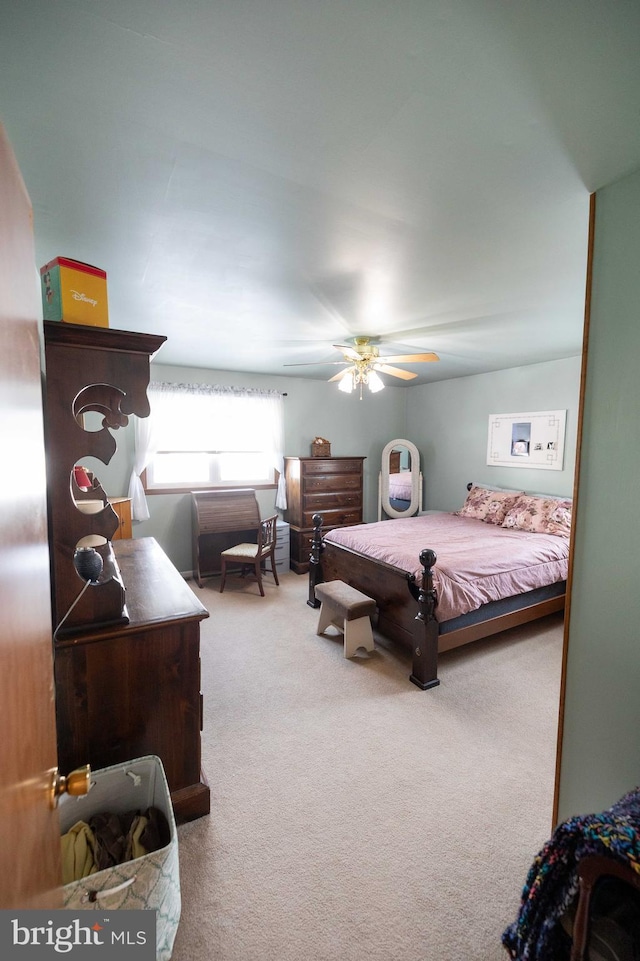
(262, 179)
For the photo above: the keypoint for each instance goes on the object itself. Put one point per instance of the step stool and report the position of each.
(349, 611)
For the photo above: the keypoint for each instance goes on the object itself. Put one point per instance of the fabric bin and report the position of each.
(149, 882)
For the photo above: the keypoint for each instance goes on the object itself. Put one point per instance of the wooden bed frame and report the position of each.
(407, 604)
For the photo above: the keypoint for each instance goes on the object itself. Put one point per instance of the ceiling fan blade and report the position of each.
(395, 371)
(319, 363)
(341, 374)
(348, 352)
(411, 358)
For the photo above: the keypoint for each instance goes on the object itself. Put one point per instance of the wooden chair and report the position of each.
(254, 555)
(591, 870)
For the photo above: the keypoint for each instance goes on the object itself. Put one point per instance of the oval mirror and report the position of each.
(400, 480)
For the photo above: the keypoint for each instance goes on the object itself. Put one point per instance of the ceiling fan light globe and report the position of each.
(346, 384)
(375, 382)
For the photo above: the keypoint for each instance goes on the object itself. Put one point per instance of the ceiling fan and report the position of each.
(363, 365)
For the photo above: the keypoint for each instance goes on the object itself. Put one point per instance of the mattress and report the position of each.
(477, 563)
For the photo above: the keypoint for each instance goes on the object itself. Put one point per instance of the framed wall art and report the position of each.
(534, 439)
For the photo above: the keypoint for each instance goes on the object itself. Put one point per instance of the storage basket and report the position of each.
(150, 882)
(320, 447)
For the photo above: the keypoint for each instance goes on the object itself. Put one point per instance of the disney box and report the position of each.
(74, 292)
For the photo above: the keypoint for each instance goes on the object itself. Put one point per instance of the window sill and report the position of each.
(212, 487)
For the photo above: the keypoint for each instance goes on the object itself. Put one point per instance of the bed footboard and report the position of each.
(406, 609)
(426, 629)
(315, 568)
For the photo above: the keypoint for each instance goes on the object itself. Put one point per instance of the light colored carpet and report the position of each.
(353, 816)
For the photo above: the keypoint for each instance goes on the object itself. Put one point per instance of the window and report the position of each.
(202, 436)
(194, 469)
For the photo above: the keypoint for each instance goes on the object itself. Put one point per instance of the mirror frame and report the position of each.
(416, 481)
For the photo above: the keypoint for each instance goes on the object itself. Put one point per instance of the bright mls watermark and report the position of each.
(79, 935)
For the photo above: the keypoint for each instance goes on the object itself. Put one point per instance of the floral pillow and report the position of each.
(487, 505)
(541, 515)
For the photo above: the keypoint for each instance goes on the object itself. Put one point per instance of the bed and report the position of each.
(441, 580)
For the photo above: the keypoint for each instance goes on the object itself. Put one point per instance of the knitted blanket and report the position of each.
(552, 881)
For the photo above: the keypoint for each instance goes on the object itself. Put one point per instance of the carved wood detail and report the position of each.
(100, 370)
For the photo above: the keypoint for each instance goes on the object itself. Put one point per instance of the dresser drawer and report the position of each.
(336, 517)
(301, 543)
(331, 482)
(321, 466)
(300, 547)
(329, 500)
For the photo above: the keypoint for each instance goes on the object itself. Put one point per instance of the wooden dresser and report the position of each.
(127, 653)
(331, 486)
(129, 690)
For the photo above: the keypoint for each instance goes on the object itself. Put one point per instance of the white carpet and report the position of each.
(353, 816)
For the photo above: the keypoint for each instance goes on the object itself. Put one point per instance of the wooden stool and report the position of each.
(348, 610)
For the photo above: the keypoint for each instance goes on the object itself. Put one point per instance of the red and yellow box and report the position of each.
(74, 292)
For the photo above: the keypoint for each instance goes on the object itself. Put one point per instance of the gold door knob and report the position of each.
(76, 783)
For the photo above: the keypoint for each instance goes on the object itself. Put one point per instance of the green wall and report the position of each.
(448, 421)
(600, 757)
(312, 408)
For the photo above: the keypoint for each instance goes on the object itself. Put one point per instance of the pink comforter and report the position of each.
(477, 562)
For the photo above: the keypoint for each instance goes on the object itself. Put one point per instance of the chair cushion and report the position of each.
(247, 551)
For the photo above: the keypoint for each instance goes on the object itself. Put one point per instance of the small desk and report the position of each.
(221, 519)
(129, 690)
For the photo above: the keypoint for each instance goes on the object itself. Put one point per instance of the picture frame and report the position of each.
(534, 439)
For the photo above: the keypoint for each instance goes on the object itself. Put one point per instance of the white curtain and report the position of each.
(209, 421)
(145, 434)
(144, 449)
(275, 417)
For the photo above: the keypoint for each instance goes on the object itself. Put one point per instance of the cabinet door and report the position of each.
(122, 507)
(149, 705)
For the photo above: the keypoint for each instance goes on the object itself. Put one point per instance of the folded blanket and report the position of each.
(552, 881)
(109, 839)
(112, 834)
(78, 853)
